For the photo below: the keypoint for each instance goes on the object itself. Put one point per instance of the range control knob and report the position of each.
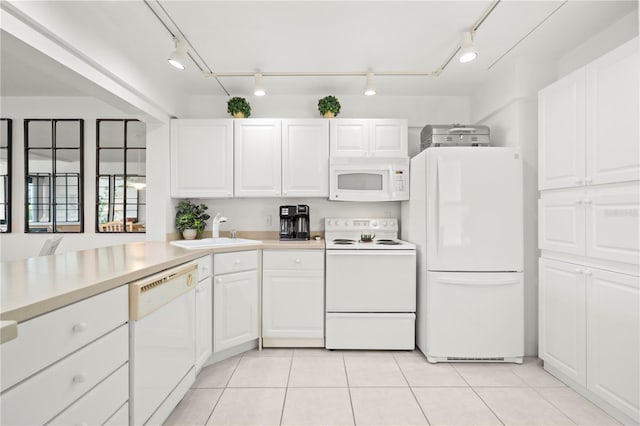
(385, 223)
(337, 223)
(374, 224)
(346, 223)
(329, 223)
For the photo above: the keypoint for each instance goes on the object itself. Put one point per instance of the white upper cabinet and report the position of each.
(562, 222)
(613, 147)
(588, 123)
(561, 133)
(368, 138)
(305, 158)
(258, 158)
(202, 158)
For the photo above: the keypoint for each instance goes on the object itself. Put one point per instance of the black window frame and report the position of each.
(52, 196)
(7, 180)
(112, 178)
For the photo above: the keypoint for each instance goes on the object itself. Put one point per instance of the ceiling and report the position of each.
(128, 40)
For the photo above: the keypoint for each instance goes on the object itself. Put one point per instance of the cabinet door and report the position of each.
(613, 151)
(613, 339)
(305, 158)
(562, 222)
(235, 309)
(562, 325)
(389, 138)
(202, 158)
(293, 304)
(613, 227)
(204, 321)
(257, 158)
(561, 133)
(349, 137)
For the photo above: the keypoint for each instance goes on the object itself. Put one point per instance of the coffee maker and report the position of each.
(294, 222)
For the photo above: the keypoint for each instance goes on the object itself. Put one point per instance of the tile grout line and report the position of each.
(223, 390)
(477, 394)
(554, 405)
(286, 389)
(344, 365)
(411, 390)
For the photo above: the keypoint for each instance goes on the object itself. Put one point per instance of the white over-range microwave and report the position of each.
(367, 179)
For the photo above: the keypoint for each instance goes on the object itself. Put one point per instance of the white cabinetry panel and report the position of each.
(204, 321)
(613, 151)
(258, 158)
(562, 318)
(561, 132)
(305, 158)
(562, 222)
(389, 138)
(235, 309)
(349, 137)
(613, 339)
(202, 158)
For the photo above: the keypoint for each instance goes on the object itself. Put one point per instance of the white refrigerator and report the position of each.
(465, 217)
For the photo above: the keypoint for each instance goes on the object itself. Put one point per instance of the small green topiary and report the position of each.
(237, 106)
(329, 106)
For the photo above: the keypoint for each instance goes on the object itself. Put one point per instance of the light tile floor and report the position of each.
(320, 387)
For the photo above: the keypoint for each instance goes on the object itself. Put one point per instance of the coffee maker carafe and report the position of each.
(294, 222)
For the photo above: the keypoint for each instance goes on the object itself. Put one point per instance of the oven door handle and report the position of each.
(376, 252)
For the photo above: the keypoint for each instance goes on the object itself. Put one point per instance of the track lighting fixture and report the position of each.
(258, 88)
(369, 88)
(178, 58)
(467, 52)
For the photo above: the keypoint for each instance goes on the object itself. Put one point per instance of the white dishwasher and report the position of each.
(162, 342)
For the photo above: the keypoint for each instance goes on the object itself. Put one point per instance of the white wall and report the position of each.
(17, 244)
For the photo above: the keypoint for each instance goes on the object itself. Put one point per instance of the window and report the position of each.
(5, 174)
(121, 176)
(54, 160)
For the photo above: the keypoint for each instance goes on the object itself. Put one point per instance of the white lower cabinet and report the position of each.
(613, 339)
(293, 295)
(590, 331)
(236, 300)
(562, 318)
(204, 312)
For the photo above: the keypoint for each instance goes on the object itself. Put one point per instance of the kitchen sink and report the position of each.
(214, 242)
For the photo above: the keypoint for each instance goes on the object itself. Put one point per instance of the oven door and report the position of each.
(371, 280)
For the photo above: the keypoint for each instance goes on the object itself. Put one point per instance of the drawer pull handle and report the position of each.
(237, 261)
(80, 327)
(79, 378)
(219, 280)
(298, 260)
(198, 290)
(586, 272)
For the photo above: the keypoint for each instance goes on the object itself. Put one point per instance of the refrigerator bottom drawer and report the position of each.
(475, 315)
(370, 331)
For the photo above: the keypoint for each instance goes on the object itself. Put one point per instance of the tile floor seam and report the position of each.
(555, 406)
(412, 392)
(286, 389)
(477, 394)
(353, 413)
(214, 406)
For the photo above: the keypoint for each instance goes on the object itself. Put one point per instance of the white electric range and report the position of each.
(370, 286)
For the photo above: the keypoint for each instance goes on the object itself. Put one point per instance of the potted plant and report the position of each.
(238, 107)
(191, 219)
(329, 106)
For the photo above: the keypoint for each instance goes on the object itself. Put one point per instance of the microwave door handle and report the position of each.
(392, 183)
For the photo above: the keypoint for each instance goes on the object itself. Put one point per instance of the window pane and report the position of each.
(136, 162)
(39, 135)
(67, 161)
(136, 134)
(40, 161)
(4, 133)
(111, 161)
(68, 134)
(111, 134)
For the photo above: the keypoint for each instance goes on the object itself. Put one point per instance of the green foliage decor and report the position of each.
(190, 215)
(237, 104)
(329, 104)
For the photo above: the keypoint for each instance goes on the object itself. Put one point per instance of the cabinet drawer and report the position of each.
(226, 263)
(293, 259)
(120, 418)
(100, 403)
(43, 340)
(370, 331)
(41, 397)
(204, 268)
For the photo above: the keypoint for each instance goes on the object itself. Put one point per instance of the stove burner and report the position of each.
(343, 241)
(388, 242)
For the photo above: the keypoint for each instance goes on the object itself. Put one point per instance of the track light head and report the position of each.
(258, 88)
(467, 51)
(178, 58)
(369, 88)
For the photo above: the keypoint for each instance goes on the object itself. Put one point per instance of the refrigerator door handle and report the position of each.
(471, 282)
(436, 213)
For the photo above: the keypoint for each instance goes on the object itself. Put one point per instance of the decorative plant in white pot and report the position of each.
(191, 219)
